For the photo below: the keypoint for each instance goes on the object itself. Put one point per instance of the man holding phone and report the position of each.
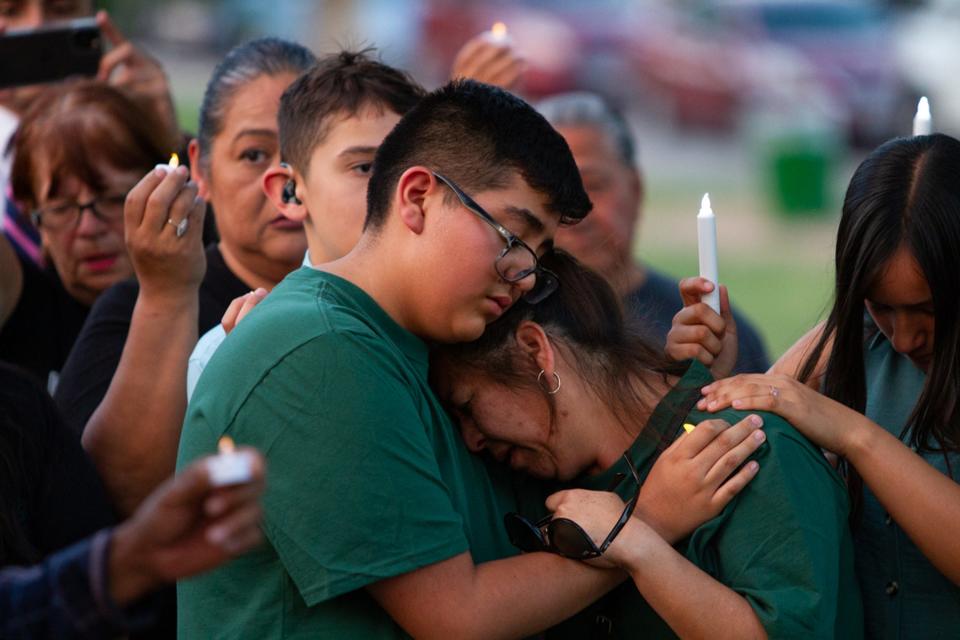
(124, 65)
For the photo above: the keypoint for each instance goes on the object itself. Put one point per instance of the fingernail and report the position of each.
(757, 420)
(181, 170)
(159, 172)
(260, 292)
(753, 466)
(737, 404)
(232, 546)
(701, 404)
(216, 535)
(759, 436)
(712, 405)
(214, 506)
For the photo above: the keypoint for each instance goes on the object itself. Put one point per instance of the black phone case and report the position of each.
(50, 53)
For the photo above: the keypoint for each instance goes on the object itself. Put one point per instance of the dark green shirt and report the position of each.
(904, 596)
(367, 477)
(783, 543)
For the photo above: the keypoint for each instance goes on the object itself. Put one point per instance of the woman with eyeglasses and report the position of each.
(124, 384)
(79, 149)
(561, 389)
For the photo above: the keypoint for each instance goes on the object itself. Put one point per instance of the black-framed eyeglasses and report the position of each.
(108, 208)
(517, 260)
(564, 536)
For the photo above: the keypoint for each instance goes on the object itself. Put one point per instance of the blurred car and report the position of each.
(702, 63)
(697, 76)
(848, 45)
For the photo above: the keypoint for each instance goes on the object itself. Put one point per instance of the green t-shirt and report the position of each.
(367, 478)
(783, 543)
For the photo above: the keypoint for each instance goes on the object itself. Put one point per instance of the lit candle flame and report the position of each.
(499, 30)
(174, 161)
(226, 445)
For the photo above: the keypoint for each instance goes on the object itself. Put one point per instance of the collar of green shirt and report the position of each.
(661, 429)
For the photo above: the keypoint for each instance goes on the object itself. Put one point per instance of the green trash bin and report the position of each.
(798, 150)
(800, 172)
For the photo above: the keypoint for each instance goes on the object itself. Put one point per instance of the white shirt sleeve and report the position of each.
(206, 347)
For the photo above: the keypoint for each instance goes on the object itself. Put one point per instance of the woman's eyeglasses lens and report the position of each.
(67, 215)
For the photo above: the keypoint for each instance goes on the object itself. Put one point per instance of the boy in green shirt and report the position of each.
(379, 522)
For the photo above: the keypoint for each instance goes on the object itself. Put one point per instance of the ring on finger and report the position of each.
(180, 227)
(775, 392)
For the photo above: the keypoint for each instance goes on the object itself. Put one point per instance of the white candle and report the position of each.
(230, 466)
(170, 166)
(707, 238)
(922, 122)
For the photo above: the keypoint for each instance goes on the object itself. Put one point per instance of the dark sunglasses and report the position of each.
(564, 536)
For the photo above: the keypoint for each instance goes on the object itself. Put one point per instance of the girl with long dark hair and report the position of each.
(885, 363)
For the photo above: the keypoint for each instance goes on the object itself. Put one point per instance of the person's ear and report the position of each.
(414, 187)
(534, 342)
(280, 185)
(196, 173)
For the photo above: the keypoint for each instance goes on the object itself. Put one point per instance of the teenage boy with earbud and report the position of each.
(331, 121)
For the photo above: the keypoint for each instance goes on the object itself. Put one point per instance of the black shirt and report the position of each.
(654, 303)
(96, 354)
(51, 493)
(40, 332)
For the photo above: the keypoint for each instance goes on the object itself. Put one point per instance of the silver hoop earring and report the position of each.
(556, 376)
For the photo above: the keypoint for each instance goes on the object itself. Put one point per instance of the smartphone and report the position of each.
(50, 53)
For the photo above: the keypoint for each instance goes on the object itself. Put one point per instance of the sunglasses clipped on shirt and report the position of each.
(563, 536)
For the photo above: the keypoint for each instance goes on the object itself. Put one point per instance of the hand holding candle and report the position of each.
(170, 166)
(923, 122)
(707, 238)
(231, 466)
(490, 57)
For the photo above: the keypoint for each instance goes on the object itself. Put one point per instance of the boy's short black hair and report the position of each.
(339, 84)
(478, 135)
